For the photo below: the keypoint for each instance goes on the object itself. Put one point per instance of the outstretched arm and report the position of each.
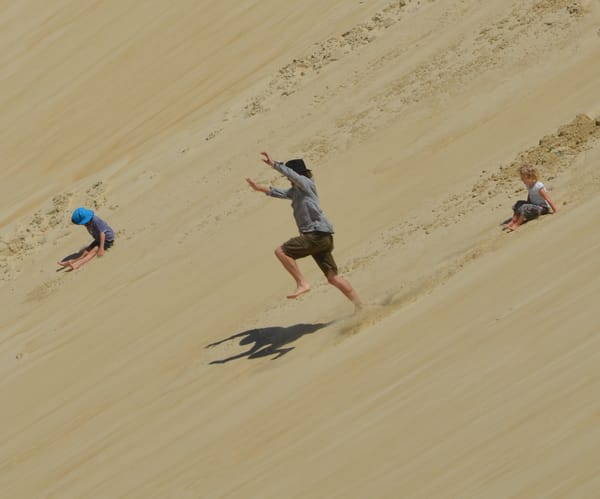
(268, 190)
(299, 181)
(267, 159)
(257, 187)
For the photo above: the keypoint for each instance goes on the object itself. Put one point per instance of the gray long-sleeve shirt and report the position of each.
(305, 201)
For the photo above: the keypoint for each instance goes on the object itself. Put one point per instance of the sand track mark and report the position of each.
(553, 155)
(556, 154)
(538, 25)
(26, 238)
(44, 227)
(299, 71)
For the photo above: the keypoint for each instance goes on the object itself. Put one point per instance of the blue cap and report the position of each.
(81, 216)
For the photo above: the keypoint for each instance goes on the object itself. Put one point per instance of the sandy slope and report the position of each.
(174, 366)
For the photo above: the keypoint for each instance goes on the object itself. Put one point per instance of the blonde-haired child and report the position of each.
(538, 201)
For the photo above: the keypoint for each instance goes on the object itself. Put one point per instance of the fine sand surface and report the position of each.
(175, 367)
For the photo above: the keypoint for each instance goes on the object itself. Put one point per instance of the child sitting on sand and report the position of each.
(538, 201)
(104, 237)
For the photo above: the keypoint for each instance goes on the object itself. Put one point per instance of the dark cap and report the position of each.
(298, 166)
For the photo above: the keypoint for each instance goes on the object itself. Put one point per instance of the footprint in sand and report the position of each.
(44, 290)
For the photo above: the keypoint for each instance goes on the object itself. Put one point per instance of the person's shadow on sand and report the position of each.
(268, 340)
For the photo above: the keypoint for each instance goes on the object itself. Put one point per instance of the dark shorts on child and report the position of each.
(529, 211)
(95, 244)
(319, 245)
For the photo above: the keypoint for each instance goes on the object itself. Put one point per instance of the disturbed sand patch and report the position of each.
(555, 155)
(498, 46)
(44, 227)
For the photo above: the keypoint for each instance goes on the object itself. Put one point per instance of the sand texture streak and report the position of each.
(175, 367)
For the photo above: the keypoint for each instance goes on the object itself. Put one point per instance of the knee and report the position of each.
(280, 253)
(332, 278)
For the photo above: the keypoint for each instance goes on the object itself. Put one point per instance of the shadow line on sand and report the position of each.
(268, 340)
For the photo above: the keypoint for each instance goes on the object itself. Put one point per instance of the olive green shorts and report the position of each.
(317, 244)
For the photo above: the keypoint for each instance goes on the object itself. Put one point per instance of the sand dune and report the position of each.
(175, 367)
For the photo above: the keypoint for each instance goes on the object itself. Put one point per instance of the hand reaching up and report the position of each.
(267, 159)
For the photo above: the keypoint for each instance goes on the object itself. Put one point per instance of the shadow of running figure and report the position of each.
(268, 340)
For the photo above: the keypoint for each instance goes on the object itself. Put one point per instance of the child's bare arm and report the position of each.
(546, 196)
(101, 244)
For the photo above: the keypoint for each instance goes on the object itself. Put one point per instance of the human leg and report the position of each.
(328, 266)
(525, 213)
(74, 258)
(344, 286)
(289, 263)
(82, 260)
(517, 210)
(517, 223)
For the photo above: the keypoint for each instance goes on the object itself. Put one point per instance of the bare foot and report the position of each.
(511, 228)
(300, 290)
(63, 263)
